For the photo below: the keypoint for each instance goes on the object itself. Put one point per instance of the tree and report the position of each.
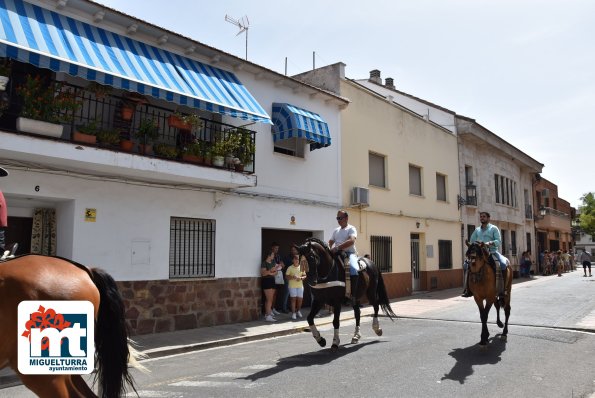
(587, 211)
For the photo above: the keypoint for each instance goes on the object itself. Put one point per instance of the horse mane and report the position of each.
(320, 242)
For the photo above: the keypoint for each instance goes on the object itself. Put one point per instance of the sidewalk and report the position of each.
(163, 344)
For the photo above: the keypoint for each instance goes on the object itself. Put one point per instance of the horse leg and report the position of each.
(504, 335)
(356, 334)
(336, 320)
(498, 321)
(315, 333)
(483, 315)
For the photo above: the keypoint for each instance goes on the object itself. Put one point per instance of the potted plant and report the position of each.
(218, 151)
(126, 144)
(5, 69)
(193, 152)
(129, 104)
(108, 137)
(246, 150)
(87, 133)
(184, 122)
(166, 151)
(44, 106)
(147, 132)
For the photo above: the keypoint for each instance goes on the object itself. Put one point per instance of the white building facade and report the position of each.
(184, 241)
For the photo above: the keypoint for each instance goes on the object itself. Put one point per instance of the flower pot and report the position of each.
(39, 127)
(239, 167)
(218, 161)
(84, 138)
(127, 112)
(192, 158)
(177, 123)
(145, 149)
(3, 82)
(126, 145)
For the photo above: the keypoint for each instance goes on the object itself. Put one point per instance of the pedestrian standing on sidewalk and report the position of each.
(560, 262)
(296, 275)
(279, 279)
(268, 270)
(586, 260)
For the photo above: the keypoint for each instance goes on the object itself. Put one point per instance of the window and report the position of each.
(503, 242)
(414, 180)
(528, 242)
(444, 254)
(505, 190)
(470, 230)
(292, 146)
(513, 242)
(440, 187)
(191, 248)
(377, 175)
(382, 252)
(468, 175)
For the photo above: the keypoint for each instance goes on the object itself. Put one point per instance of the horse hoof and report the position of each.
(334, 348)
(354, 341)
(500, 325)
(322, 342)
(378, 332)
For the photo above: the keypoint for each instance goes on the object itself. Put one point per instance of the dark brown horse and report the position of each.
(482, 283)
(33, 277)
(326, 277)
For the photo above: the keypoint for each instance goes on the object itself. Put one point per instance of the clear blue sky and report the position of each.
(523, 69)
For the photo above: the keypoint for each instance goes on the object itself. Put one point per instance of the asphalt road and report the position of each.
(433, 352)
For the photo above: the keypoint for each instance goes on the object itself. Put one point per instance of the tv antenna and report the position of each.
(243, 24)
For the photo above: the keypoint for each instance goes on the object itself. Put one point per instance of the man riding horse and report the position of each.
(489, 234)
(343, 241)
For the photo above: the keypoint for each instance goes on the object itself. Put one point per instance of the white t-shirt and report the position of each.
(340, 235)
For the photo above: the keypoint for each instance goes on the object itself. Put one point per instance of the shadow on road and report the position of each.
(320, 357)
(474, 355)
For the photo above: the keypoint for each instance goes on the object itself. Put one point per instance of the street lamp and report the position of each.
(461, 201)
(471, 199)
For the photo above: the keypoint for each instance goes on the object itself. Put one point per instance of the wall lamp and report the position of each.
(542, 213)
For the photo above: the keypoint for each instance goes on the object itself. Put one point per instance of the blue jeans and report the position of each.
(500, 258)
(353, 267)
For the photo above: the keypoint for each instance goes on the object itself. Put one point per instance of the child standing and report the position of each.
(295, 274)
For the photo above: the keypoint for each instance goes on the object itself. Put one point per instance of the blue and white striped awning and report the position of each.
(44, 38)
(290, 121)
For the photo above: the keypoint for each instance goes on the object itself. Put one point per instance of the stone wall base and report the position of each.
(167, 305)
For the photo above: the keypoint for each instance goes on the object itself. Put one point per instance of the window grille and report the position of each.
(191, 248)
(382, 252)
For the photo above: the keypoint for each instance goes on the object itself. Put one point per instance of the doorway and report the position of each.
(19, 231)
(415, 262)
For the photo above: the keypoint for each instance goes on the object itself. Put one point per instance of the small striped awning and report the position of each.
(46, 39)
(290, 121)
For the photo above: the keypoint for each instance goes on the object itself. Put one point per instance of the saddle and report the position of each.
(344, 258)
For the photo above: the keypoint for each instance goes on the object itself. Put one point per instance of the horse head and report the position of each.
(477, 251)
(318, 256)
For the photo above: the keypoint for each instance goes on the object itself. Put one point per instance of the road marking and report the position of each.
(201, 383)
(155, 394)
(231, 375)
(259, 367)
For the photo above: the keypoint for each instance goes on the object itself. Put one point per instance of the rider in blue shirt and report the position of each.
(489, 234)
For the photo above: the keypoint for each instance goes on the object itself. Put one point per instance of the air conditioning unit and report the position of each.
(360, 197)
(545, 193)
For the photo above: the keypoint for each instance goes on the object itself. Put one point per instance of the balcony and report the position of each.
(552, 219)
(118, 147)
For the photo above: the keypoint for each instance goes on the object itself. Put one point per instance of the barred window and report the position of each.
(505, 190)
(382, 252)
(191, 248)
(445, 254)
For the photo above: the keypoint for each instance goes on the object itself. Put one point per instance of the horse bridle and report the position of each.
(313, 258)
(477, 276)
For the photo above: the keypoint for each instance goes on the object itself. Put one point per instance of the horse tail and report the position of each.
(111, 338)
(383, 298)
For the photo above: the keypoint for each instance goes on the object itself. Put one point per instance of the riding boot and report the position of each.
(354, 280)
(466, 291)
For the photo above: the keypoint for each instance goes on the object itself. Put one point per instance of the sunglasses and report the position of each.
(340, 218)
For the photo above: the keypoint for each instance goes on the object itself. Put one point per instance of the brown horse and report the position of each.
(34, 277)
(482, 283)
(326, 278)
